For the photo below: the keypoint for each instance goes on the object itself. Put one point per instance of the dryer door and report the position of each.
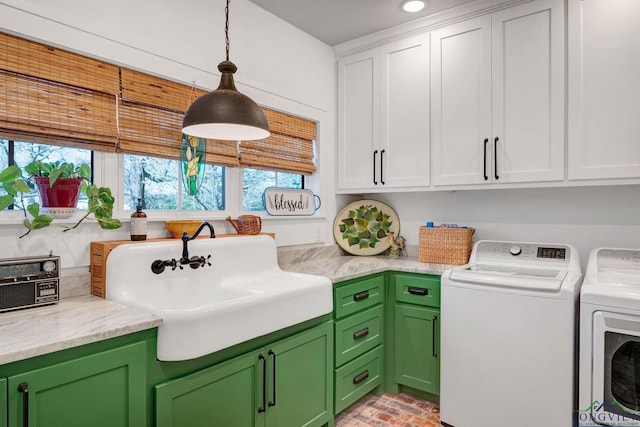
(616, 369)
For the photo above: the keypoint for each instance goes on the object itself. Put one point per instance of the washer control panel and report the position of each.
(522, 252)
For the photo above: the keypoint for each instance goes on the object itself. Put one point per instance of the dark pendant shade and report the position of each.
(225, 113)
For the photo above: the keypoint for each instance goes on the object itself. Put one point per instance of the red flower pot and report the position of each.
(64, 192)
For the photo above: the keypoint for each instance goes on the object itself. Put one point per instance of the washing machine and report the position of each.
(508, 333)
(609, 385)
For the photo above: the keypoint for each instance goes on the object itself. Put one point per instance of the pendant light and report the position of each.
(225, 113)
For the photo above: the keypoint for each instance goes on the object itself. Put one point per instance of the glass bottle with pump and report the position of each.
(139, 223)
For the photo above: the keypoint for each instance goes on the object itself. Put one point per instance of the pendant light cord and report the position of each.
(226, 28)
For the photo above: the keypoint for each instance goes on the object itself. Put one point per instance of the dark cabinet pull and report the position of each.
(24, 389)
(361, 377)
(486, 177)
(418, 291)
(273, 402)
(361, 333)
(433, 335)
(375, 154)
(381, 171)
(495, 157)
(264, 383)
(360, 296)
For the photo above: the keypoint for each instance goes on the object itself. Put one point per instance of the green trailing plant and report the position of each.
(100, 199)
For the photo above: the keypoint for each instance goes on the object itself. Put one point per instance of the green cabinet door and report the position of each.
(229, 394)
(3, 402)
(106, 389)
(286, 384)
(300, 385)
(417, 350)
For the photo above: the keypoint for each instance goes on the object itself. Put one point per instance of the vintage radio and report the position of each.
(29, 282)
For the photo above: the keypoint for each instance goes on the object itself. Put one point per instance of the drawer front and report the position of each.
(357, 378)
(359, 295)
(357, 334)
(417, 289)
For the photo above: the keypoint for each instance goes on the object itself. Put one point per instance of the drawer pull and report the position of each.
(359, 378)
(433, 335)
(361, 333)
(262, 359)
(24, 389)
(418, 291)
(360, 296)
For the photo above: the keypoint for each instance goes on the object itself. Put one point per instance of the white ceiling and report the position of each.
(338, 21)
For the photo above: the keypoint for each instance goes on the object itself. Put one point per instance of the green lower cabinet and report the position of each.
(225, 395)
(358, 377)
(3, 402)
(285, 384)
(106, 389)
(417, 348)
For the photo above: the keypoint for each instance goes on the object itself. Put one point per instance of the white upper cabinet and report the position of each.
(604, 89)
(498, 97)
(358, 122)
(383, 117)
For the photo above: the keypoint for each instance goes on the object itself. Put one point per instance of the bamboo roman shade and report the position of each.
(290, 148)
(54, 96)
(58, 97)
(150, 119)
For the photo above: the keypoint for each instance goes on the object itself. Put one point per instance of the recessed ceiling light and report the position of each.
(413, 5)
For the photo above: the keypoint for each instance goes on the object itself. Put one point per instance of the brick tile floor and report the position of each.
(390, 410)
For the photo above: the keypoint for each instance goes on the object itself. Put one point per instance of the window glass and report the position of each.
(158, 183)
(23, 153)
(255, 181)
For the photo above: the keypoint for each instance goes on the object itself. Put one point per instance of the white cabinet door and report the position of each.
(358, 119)
(498, 97)
(528, 92)
(604, 89)
(404, 122)
(461, 101)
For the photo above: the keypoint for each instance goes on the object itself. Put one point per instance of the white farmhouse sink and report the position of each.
(242, 295)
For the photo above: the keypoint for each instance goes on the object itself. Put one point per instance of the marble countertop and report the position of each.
(70, 323)
(347, 267)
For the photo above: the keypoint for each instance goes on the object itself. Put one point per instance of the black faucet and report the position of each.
(186, 238)
(194, 262)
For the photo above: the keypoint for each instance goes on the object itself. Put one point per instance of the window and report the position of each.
(23, 153)
(158, 183)
(255, 181)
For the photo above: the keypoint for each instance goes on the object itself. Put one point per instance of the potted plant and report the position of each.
(59, 185)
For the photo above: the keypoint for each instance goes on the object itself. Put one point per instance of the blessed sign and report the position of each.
(290, 201)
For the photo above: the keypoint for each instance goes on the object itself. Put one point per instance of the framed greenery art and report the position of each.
(362, 227)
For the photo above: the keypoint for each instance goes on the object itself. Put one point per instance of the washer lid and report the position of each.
(613, 278)
(536, 279)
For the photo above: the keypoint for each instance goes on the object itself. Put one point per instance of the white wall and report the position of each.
(586, 217)
(278, 66)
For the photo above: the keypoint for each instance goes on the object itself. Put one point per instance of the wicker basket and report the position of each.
(445, 245)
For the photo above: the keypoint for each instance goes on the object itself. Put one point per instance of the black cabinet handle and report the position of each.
(486, 177)
(361, 377)
(375, 153)
(24, 389)
(360, 296)
(273, 402)
(361, 333)
(418, 291)
(433, 335)
(264, 383)
(495, 157)
(381, 171)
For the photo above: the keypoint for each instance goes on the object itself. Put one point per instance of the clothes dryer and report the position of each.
(609, 386)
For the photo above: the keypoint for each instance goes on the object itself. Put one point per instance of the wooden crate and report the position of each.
(100, 251)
